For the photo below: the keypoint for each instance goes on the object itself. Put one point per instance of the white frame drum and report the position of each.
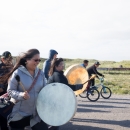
(56, 104)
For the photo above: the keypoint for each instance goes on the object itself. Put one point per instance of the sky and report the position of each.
(86, 29)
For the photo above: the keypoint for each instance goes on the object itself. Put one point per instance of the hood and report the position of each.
(24, 70)
(52, 53)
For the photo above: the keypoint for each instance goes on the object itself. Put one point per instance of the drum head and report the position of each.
(76, 74)
(56, 104)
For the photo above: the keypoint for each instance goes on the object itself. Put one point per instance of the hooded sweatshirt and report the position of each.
(24, 107)
(47, 63)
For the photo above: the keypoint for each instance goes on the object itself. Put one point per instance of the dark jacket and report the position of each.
(60, 78)
(3, 71)
(93, 70)
(47, 63)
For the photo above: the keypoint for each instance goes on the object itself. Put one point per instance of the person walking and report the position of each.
(56, 74)
(5, 67)
(47, 63)
(24, 111)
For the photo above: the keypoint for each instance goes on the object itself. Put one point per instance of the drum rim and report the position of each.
(63, 122)
(67, 72)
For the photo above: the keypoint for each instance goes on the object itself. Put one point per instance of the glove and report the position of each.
(79, 86)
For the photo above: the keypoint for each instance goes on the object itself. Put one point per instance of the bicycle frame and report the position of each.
(105, 92)
(101, 84)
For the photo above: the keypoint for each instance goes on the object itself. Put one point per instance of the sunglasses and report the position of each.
(37, 60)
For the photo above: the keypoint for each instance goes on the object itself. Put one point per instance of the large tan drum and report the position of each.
(56, 104)
(76, 74)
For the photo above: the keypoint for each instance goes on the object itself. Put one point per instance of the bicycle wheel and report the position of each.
(83, 95)
(105, 92)
(93, 94)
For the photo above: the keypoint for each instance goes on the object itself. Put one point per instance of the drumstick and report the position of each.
(92, 77)
(18, 79)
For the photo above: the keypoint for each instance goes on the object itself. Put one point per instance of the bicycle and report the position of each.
(105, 92)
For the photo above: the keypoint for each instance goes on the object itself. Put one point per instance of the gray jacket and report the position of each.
(25, 107)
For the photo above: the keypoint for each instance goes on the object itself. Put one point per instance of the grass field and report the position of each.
(118, 81)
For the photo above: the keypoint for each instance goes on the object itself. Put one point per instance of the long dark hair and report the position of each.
(54, 63)
(20, 61)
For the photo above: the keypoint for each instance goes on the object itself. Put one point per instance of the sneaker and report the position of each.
(90, 92)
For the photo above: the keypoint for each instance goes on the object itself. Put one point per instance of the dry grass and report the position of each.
(119, 82)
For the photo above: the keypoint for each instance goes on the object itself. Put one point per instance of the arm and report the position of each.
(57, 78)
(54, 78)
(73, 87)
(96, 72)
(12, 89)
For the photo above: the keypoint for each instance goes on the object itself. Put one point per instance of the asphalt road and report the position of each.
(105, 114)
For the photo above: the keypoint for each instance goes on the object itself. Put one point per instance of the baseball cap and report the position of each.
(97, 63)
(6, 54)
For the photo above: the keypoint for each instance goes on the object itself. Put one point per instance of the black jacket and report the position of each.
(3, 71)
(92, 70)
(60, 78)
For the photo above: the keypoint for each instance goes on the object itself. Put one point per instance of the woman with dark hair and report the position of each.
(24, 111)
(56, 75)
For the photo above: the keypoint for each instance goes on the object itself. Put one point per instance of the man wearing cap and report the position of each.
(93, 70)
(6, 63)
(5, 67)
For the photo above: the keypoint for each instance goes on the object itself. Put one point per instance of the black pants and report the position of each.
(54, 128)
(3, 123)
(92, 82)
(21, 124)
(40, 126)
